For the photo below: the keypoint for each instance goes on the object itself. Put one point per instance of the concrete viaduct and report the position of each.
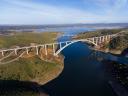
(96, 41)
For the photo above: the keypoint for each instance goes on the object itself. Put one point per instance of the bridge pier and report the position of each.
(93, 39)
(96, 41)
(15, 51)
(2, 53)
(45, 48)
(37, 50)
(53, 48)
(100, 40)
(27, 51)
(106, 38)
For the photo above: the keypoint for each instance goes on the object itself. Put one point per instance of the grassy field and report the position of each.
(23, 39)
(30, 69)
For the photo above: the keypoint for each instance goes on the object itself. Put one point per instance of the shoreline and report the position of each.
(114, 51)
(55, 63)
(113, 80)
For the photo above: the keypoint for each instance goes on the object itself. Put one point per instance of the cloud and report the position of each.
(28, 12)
(119, 8)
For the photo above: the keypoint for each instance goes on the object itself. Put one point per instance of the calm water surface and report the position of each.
(83, 75)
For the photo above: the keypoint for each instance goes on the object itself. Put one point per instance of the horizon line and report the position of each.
(60, 24)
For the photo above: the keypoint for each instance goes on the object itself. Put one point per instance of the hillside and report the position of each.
(119, 43)
(24, 39)
(116, 44)
(99, 33)
(30, 68)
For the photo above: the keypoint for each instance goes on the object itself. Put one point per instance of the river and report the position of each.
(82, 75)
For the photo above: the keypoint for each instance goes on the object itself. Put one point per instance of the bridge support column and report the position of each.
(106, 37)
(37, 50)
(103, 39)
(45, 47)
(96, 40)
(27, 50)
(15, 51)
(100, 41)
(93, 40)
(2, 53)
(53, 46)
(109, 37)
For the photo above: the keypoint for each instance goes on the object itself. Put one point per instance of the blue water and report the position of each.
(66, 30)
(83, 75)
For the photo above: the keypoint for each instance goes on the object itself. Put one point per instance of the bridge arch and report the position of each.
(72, 42)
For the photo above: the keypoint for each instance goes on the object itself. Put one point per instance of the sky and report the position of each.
(63, 11)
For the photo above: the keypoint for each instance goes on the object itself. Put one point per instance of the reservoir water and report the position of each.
(83, 75)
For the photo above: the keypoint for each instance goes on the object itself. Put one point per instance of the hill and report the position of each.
(28, 68)
(116, 45)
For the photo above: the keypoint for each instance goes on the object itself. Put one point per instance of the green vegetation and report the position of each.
(24, 39)
(27, 68)
(118, 43)
(99, 33)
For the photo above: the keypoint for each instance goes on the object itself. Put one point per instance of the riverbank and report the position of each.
(107, 50)
(29, 67)
(115, 46)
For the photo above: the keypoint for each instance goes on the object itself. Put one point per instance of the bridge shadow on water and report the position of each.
(82, 75)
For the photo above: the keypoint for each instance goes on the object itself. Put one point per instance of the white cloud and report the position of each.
(28, 12)
(119, 8)
(41, 13)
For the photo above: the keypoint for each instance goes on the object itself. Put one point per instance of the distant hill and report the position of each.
(4, 28)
